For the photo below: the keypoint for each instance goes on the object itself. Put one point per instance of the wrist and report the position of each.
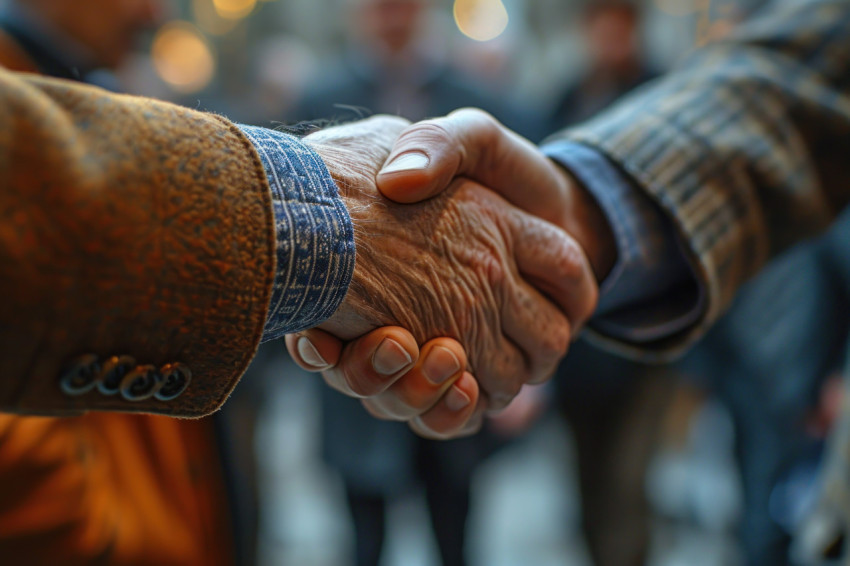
(585, 221)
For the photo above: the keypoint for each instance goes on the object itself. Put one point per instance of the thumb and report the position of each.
(468, 142)
(428, 155)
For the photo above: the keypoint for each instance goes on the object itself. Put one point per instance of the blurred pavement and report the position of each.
(525, 507)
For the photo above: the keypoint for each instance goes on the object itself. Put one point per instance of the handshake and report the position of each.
(478, 262)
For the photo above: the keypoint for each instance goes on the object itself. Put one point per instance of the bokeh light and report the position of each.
(481, 20)
(234, 9)
(209, 20)
(182, 57)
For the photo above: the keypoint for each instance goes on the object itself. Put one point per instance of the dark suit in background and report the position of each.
(767, 361)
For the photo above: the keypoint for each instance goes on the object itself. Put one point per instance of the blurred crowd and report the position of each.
(726, 443)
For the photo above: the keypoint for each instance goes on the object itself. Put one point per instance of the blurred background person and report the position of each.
(70, 40)
(397, 62)
(285, 65)
(774, 379)
(381, 461)
(614, 408)
(821, 535)
(615, 62)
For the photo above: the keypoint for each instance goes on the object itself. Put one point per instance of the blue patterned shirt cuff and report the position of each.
(315, 237)
(652, 292)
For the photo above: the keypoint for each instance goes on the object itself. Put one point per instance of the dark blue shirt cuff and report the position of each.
(315, 237)
(652, 292)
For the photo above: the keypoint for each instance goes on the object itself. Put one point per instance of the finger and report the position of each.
(372, 363)
(471, 143)
(539, 330)
(476, 421)
(441, 362)
(504, 372)
(314, 349)
(458, 413)
(553, 262)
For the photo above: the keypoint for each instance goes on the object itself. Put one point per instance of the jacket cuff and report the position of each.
(652, 292)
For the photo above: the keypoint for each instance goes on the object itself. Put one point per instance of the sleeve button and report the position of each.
(113, 372)
(177, 377)
(141, 383)
(81, 375)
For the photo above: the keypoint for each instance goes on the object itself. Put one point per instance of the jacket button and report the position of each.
(141, 382)
(177, 377)
(112, 373)
(81, 375)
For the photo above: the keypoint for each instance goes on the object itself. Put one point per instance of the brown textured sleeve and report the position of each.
(127, 227)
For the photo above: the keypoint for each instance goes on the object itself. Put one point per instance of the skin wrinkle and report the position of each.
(565, 262)
(458, 318)
(474, 286)
(495, 278)
(463, 316)
(445, 267)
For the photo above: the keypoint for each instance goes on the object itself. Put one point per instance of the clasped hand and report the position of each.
(482, 266)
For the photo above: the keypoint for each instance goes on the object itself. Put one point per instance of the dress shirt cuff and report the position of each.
(652, 292)
(315, 236)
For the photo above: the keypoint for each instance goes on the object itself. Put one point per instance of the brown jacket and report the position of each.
(127, 228)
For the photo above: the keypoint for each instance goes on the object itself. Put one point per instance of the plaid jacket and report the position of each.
(746, 146)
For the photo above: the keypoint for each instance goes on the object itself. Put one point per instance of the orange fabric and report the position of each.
(114, 489)
(13, 57)
(128, 227)
(111, 489)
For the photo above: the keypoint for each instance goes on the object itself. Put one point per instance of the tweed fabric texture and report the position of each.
(127, 226)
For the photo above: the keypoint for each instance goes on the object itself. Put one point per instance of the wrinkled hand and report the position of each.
(428, 155)
(451, 266)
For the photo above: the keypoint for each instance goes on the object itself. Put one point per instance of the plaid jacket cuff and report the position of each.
(652, 292)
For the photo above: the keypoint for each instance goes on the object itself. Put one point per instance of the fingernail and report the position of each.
(456, 399)
(439, 365)
(310, 354)
(390, 357)
(406, 162)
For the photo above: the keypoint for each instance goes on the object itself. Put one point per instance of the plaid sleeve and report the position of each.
(315, 238)
(743, 147)
(652, 290)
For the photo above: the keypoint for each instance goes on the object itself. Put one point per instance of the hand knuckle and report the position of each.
(571, 263)
(557, 339)
(492, 270)
(429, 131)
(361, 385)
